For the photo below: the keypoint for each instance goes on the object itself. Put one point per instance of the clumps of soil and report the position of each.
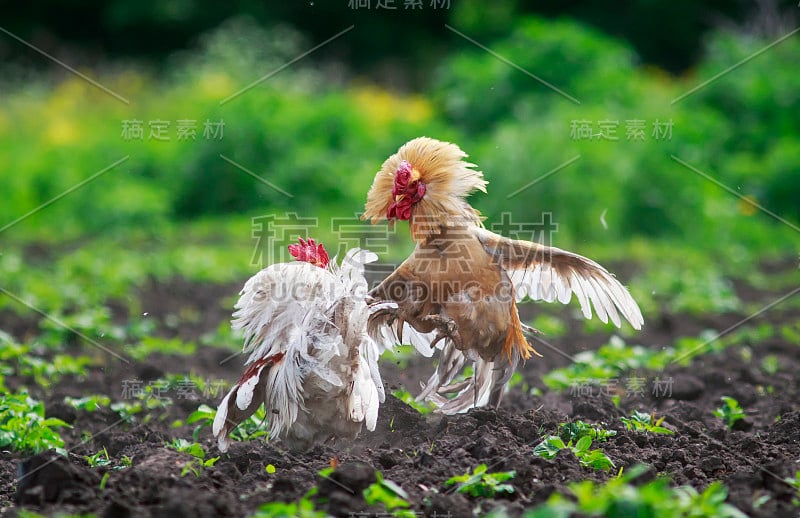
(421, 452)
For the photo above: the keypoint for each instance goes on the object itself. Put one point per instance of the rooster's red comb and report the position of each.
(310, 252)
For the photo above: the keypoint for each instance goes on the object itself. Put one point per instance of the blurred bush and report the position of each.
(740, 130)
(319, 142)
(760, 101)
(310, 133)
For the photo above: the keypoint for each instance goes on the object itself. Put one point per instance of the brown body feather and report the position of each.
(462, 273)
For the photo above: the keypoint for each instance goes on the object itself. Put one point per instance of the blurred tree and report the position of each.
(396, 46)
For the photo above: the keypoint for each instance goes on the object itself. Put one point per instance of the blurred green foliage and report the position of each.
(316, 142)
(322, 141)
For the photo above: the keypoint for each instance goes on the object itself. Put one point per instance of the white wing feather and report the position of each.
(549, 274)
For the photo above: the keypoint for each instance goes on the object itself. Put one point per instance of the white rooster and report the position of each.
(311, 361)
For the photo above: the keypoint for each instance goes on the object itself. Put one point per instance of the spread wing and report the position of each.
(549, 274)
(275, 299)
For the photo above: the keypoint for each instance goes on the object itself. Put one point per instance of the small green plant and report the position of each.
(770, 364)
(46, 371)
(251, 428)
(576, 430)
(154, 344)
(101, 459)
(98, 459)
(88, 403)
(128, 410)
(203, 417)
(482, 484)
(795, 483)
(619, 496)
(189, 385)
(303, 508)
(709, 502)
(730, 411)
(393, 497)
(406, 397)
(27, 360)
(24, 427)
(791, 332)
(594, 459)
(642, 422)
(615, 359)
(605, 364)
(198, 462)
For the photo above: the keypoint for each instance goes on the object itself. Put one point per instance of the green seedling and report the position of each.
(94, 322)
(614, 360)
(770, 364)
(730, 411)
(791, 332)
(606, 363)
(389, 494)
(576, 430)
(199, 462)
(98, 459)
(88, 403)
(27, 360)
(189, 385)
(423, 408)
(154, 344)
(251, 428)
(101, 459)
(47, 371)
(482, 484)
(303, 508)
(594, 459)
(24, 427)
(795, 483)
(710, 502)
(129, 410)
(619, 496)
(641, 422)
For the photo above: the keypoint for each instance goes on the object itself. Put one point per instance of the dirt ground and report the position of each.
(421, 452)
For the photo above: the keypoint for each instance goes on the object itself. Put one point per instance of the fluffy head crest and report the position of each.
(425, 182)
(310, 252)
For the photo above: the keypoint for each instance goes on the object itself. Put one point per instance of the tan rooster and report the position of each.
(459, 288)
(311, 361)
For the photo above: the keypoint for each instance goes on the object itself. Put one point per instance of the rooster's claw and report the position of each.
(447, 328)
